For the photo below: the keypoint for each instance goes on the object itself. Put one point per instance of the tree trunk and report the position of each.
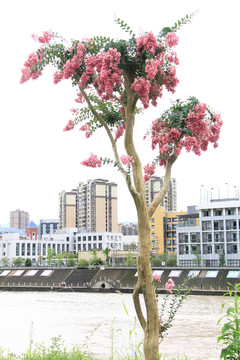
(145, 284)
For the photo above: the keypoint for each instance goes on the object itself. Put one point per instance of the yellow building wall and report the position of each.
(157, 231)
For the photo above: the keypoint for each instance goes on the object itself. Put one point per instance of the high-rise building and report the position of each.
(19, 219)
(67, 209)
(97, 206)
(153, 187)
(90, 207)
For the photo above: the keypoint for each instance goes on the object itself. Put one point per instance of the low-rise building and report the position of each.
(216, 240)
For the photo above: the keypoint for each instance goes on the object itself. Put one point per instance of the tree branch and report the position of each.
(113, 142)
(137, 305)
(164, 188)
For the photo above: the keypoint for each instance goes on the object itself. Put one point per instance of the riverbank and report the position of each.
(202, 281)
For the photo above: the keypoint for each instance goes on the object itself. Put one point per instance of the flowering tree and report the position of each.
(112, 77)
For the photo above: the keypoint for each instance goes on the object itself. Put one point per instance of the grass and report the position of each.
(57, 351)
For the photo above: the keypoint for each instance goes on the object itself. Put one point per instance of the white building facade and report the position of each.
(216, 241)
(15, 243)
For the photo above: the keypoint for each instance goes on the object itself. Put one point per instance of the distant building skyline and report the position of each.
(19, 219)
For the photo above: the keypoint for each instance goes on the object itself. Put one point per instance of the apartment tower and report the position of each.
(154, 185)
(19, 219)
(97, 206)
(67, 209)
(91, 207)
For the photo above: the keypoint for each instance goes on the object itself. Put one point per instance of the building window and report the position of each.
(17, 249)
(183, 237)
(28, 249)
(218, 224)
(207, 237)
(231, 224)
(206, 225)
(219, 236)
(152, 220)
(230, 211)
(231, 236)
(217, 212)
(232, 249)
(206, 212)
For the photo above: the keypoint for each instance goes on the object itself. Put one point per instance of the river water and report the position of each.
(105, 322)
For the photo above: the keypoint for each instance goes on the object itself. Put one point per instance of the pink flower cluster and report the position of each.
(120, 131)
(105, 66)
(27, 72)
(45, 38)
(72, 65)
(159, 70)
(87, 129)
(142, 87)
(171, 39)
(170, 285)
(196, 133)
(69, 126)
(148, 43)
(156, 277)
(92, 162)
(149, 170)
(127, 160)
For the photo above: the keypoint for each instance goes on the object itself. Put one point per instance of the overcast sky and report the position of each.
(38, 159)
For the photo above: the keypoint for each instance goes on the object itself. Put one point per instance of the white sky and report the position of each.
(38, 159)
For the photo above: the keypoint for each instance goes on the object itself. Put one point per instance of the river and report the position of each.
(105, 319)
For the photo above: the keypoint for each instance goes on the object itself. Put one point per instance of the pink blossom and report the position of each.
(127, 160)
(120, 131)
(147, 42)
(171, 39)
(86, 128)
(142, 87)
(32, 60)
(149, 170)
(156, 277)
(105, 67)
(92, 161)
(172, 57)
(57, 77)
(26, 75)
(45, 38)
(69, 126)
(35, 74)
(80, 99)
(170, 285)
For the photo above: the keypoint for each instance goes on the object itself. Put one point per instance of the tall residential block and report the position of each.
(19, 219)
(67, 209)
(152, 188)
(97, 206)
(92, 206)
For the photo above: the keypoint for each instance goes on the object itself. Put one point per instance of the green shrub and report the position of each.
(28, 262)
(156, 261)
(172, 261)
(231, 329)
(83, 262)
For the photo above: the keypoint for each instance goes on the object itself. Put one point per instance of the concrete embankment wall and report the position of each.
(203, 281)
